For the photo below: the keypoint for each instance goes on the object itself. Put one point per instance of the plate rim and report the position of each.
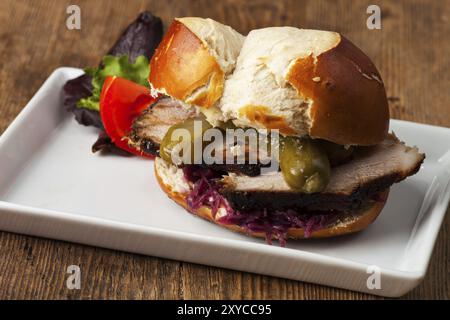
(413, 277)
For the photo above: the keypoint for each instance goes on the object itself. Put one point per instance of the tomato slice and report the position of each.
(121, 101)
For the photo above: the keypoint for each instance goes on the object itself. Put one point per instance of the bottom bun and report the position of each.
(354, 222)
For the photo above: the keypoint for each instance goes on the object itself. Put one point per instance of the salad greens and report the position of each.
(140, 38)
(81, 95)
(114, 66)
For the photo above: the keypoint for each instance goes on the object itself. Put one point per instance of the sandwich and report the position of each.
(313, 98)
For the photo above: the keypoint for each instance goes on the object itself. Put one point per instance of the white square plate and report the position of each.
(53, 186)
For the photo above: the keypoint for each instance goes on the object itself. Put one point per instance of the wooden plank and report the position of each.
(410, 51)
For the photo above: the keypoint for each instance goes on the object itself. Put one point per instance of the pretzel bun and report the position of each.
(302, 82)
(354, 223)
(193, 59)
(307, 82)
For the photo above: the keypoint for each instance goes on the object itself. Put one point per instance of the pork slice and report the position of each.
(372, 170)
(149, 128)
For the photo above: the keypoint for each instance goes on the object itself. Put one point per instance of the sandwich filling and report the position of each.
(202, 187)
(239, 194)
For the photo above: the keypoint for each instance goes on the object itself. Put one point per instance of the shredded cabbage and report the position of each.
(274, 224)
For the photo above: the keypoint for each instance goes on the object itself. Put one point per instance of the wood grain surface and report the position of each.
(412, 52)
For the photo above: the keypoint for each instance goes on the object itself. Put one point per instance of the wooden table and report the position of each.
(412, 52)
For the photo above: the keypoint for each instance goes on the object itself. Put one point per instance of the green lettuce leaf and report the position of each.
(114, 66)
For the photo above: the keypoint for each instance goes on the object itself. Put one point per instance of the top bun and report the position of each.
(193, 59)
(302, 82)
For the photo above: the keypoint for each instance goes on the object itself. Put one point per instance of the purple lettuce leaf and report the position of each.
(140, 38)
(75, 90)
(105, 145)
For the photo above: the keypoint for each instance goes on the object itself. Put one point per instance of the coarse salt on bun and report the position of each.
(307, 82)
(176, 189)
(193, 59)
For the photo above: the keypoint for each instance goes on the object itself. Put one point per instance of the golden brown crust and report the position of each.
(349, 99)
(262, 115)
(182, 64)
(360, 222)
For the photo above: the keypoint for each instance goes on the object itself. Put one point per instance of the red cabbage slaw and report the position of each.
(274, 224)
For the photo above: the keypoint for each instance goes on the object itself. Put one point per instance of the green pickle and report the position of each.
(304, 164)
(169, 143)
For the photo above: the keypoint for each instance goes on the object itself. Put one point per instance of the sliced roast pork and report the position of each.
(150, 127)
(372, 170)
